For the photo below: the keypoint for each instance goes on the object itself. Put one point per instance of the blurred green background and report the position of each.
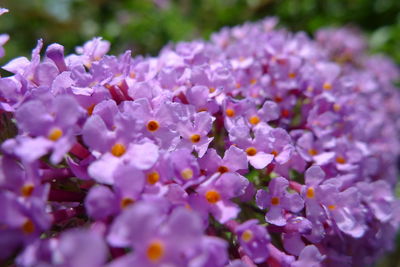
(145, 26)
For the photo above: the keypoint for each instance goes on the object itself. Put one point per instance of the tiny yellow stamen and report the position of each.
(155, 251)
(251, 151)
(212, 196)
(195, 138)
(247, 235)
(229, 112)
(118, 150)
(332, 207)
(153, 126)
(254, 119)
(153, 177)
(275, 201)
(187, 174)
(27, 190)
(28, 227)
(253, 81)
(127, 201)
(55, 134)
(310, 192)
(292, 75)
(211, 90)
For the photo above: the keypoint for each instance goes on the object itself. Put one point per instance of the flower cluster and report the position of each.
(259, 147)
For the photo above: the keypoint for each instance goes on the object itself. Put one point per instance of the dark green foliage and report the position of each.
(146, 27)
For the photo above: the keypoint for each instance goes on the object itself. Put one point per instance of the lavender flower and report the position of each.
(257, 147)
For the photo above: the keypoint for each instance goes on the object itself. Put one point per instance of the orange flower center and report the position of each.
(332, 207)
(27, 190)
(275, 153)
(90, 109)
(155, 251)
(251, 151)
(223, 169)
(55, 134)
(212, 196)
(312, 152)
(254, 120)
(229, 112)
(310, 192)
(195, 138)
(340, 160)
(247, 235)
(275, 201)
(28, 227)
(153, 126)
(327, 86)
(118, 150)
(153, 177)
(126, 202)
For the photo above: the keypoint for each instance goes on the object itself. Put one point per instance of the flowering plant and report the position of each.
(259, 147)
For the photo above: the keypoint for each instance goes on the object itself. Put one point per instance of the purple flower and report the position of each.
(194, 134)
(75, 247)
(309, 256)
(254, 240)
(155, 238)
(215, 195)
(234, 159)
(278, 200)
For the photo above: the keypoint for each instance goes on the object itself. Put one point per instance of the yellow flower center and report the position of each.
(195, 138)
(247, 235)
(275, 201)
(332, 207)
(253, 81)
(211, 89)
(310, 192)
(251, 151)
(27, 190)
(153, 177)
(212, 196)
(155, 251)
(254, 120)
(292, 75)
(55, 134)
(118, 150)
(187, 173)
(153, 126)
(28, 227)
